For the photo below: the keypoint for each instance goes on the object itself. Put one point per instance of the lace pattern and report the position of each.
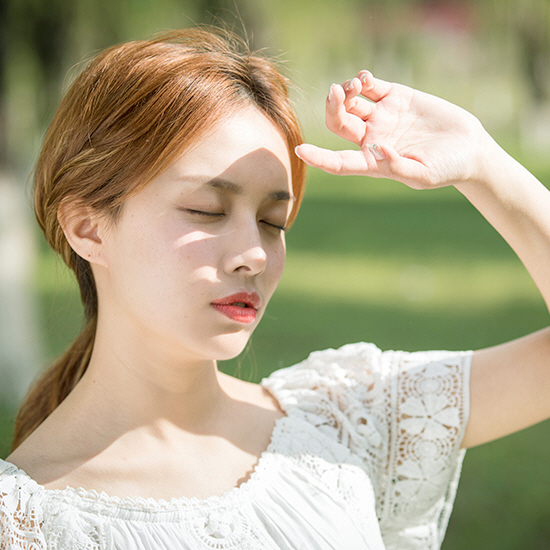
(404, 416)
(20, 520)
(79, 519)
(370, 437)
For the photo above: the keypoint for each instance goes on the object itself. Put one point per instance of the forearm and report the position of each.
(518, 207)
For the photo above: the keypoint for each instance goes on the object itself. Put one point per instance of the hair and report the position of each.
(134, 109)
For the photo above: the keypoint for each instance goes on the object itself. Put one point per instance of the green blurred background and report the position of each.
(368, 260)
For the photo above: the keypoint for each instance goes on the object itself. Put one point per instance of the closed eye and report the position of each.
(279, 228)
(204, 213)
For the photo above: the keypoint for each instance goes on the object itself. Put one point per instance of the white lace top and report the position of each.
(366, 458)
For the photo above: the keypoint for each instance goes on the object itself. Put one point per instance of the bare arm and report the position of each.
(510, 387)
(426, 142)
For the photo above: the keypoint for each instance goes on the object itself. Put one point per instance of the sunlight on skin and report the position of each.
(196, 236)
(191, 237)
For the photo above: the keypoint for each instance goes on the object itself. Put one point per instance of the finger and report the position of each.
(380, 162)
(373, 88)
(343, 163)
(339, 120)
(390, 164)
(355, 105)
(352, 87)
(360, 107)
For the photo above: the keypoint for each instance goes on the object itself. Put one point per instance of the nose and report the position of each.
(246, 251)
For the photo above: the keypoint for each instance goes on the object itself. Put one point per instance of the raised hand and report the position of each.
(402, 134)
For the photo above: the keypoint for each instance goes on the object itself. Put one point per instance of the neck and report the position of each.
(132, 382)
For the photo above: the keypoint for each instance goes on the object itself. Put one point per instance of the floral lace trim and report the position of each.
(71, 522)
(20, 521)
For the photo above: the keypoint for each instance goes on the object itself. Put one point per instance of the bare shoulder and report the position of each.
(249, 392)
(39, 455)
(55, 457)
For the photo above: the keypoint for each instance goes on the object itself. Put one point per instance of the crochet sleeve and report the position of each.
(427, 403)
(404, 415)
(19, 519)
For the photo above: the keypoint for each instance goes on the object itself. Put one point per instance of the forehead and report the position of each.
(245, 147)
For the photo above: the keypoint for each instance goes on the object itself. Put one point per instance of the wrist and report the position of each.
(491, 167)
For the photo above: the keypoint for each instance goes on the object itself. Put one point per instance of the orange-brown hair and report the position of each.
(125, 119)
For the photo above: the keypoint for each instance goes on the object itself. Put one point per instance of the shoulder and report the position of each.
(364, 365)
(365, 392)
(328, 367)
(402, 414)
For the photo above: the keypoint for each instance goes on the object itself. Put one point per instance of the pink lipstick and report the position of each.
(241, 307)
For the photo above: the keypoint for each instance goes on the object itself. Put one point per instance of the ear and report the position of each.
(84, 229)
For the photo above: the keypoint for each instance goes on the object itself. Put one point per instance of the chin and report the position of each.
(229, 346)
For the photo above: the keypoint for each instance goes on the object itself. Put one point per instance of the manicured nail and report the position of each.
(377, 151)
(297, 153)
(330, 93)
(364, 78)
(349, 85)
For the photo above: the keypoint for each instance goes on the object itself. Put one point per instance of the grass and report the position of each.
(373, 261)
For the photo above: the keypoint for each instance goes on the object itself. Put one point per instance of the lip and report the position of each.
(231, 307)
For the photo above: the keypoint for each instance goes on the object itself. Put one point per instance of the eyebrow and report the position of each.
(234, 189)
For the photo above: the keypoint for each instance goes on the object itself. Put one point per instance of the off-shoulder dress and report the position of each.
(367, 457)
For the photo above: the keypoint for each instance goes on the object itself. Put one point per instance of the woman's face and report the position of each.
(194, 258)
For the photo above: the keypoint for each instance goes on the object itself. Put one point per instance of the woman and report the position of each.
(166, 182)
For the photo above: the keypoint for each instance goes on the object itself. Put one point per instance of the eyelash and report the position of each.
(281, 228)
(202, 213)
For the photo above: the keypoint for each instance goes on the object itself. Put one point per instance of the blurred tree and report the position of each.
(530, 21)
(3, 79)
(241, 17)
(39, 29)
(36, 38)
(43, 28)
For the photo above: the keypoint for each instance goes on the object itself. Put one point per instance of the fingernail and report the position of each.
(377, 151)
(364, 78)
(330, 93)
(297, 153)
(349, 85)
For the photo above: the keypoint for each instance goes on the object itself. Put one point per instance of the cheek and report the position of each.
(144, 258)
(277, 263)
(170, 247)
(198, 252)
